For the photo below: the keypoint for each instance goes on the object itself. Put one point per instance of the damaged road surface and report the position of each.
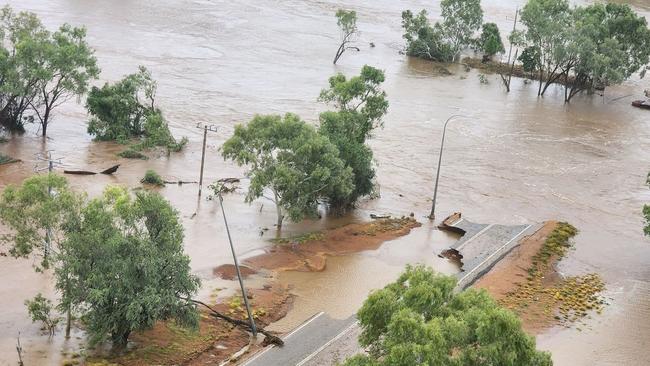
(481, 246)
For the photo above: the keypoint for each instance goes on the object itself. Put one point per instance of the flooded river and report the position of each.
(514, 159)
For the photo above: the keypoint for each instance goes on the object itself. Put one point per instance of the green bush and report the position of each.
(153, 178)
(130, 153)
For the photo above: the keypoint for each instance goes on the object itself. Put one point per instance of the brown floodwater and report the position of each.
(515, 159)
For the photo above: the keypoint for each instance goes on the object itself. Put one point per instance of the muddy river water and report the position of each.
(514, 158)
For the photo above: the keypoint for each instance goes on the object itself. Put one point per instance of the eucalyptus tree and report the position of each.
(461, 20)
(22, 35)
(288, 158)
(442, 41)
(490, 42)
(609, 43)
(420, 320)
(347, 22)
(38, 214)
(126, 267)
(66, 64)
(548, 24)
(360, 107)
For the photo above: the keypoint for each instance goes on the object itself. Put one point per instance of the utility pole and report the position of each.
(206, 128)
(241, 282)
(506, 81)
(442, 145)
(50, 168)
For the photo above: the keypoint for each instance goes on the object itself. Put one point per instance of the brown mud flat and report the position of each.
(214, 342)
(229, 272)
(526, 282)
(309, 253)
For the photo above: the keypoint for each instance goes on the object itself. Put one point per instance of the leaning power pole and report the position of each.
(206, 128)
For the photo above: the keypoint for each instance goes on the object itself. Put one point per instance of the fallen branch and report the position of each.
(110, 170)
(270, 338)
(180, 182)
(19, 349)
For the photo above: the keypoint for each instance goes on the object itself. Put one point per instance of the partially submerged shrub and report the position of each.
(40, 310)
(130, 153)
(153, 178)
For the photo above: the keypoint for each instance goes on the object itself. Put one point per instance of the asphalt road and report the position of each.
(304, 343)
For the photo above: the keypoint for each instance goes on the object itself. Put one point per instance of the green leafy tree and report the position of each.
(461, 20)
(38, 215)
(126, 110)
(288, 158)
(40, 310)
(347, 22)
(126, 266)
(66, 64)
(548, 24)
(424, 40)
(608, 44)
(444, 40)
(490, 42)
(361, 104)
(420, 320)
(23, 35)
(118, 111)
(530, 59)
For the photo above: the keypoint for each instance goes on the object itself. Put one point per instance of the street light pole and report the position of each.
(241, 282)
(442, 145)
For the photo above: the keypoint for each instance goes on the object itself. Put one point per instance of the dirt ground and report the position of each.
(309, 252)
(215, 340)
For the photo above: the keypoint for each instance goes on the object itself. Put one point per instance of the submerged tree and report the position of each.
(347, 22)
(444, 40)
(288, 158)
(40, 70)
(420, 320)
(361, 105)
(461, 20)
(22, 35)
(126, 110)
(609, 43)
(67, 65)
(126, 266)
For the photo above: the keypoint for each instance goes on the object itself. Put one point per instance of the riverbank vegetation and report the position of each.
(40, 69)
(584, 48)
(420, 319)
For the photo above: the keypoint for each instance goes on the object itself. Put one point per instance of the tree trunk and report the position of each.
(45, 121)
(68, 322)
(120, 339)
(278, 209)
(541, 77)
(339, 52)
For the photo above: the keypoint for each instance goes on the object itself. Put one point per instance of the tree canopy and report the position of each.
(40, 70)
(38, 213)
(420, 320)
(444, 40)
(586, 47)
(490, 42)
(126, 266)
(290, 159)
(347, 22)
(126, 110)
(361, 105)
